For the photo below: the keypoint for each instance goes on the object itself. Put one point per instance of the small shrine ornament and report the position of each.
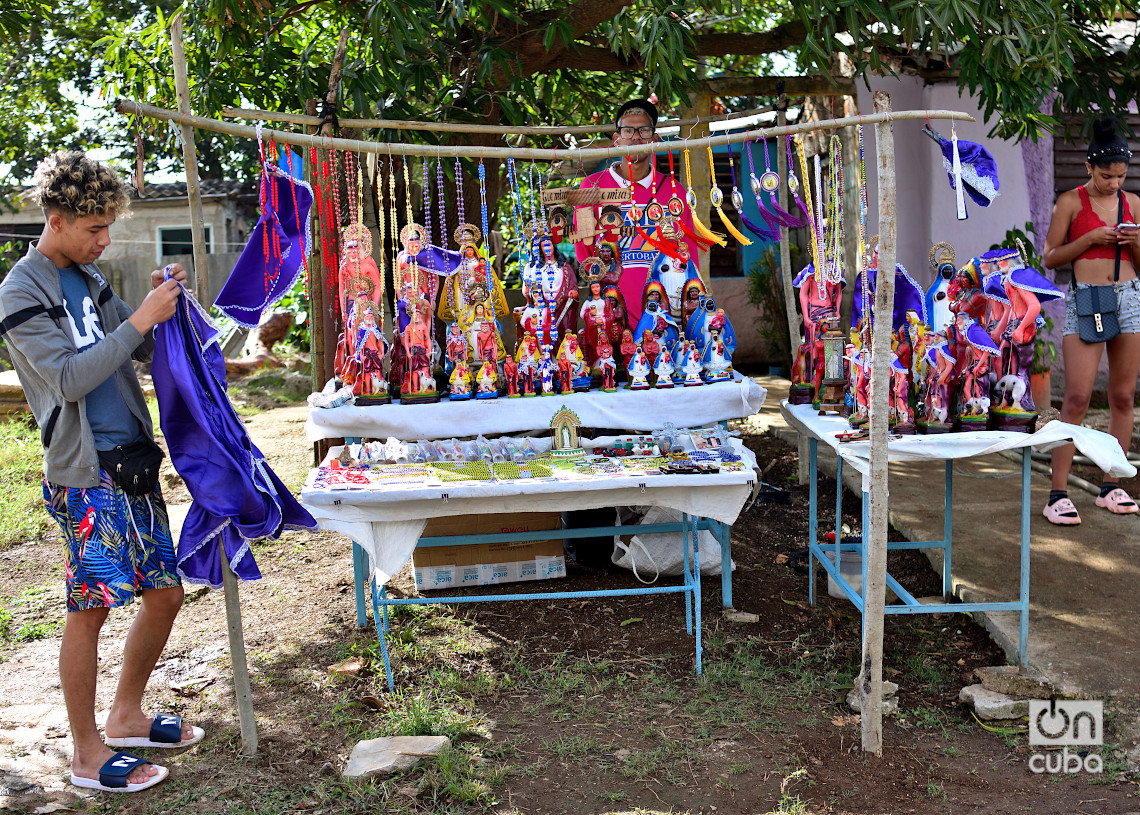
(565, 424)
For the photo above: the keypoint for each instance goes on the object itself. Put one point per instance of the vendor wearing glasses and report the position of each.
(635, 124)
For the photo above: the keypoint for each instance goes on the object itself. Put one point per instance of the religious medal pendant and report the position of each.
(655, 212)
(770, 180)
(675, 205)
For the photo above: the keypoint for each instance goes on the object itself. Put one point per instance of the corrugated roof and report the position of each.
(209, 187)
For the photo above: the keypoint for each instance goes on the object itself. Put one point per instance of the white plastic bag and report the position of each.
(661, 553)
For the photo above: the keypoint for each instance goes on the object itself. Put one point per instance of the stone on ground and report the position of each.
(992, 705)
(890, 703)
(1006, 679)
(391, 755)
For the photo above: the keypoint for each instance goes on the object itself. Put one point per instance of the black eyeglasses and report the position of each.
(626, 132)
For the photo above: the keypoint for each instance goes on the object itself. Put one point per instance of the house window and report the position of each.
(179, 240)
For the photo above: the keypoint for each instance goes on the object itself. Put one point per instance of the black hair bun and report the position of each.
(1104, 130)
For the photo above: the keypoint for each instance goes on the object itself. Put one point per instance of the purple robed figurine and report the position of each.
(237, 498)
(257, 281)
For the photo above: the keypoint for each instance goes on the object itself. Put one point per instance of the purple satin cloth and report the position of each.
(236, 497)
(258, 282)
(908, 297)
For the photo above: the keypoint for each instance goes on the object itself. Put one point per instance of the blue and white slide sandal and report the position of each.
(114, 773)
(165, 731)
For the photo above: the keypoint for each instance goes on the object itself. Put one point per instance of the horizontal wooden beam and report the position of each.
(588, 155)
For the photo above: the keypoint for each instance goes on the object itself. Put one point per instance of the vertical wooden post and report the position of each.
(190, 159)
(699, 166)
(326, 315)
(246, 716)
(786, 275)
(875, 538)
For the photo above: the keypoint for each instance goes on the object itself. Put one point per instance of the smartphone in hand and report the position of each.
(1127, 227)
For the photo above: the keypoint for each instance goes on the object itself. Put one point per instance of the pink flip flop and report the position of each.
(1117, 502)
(1062, 513)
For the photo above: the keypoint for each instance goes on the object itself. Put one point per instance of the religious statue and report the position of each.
(455, 348)
(627, 348)
(680, 354)
(607, 365)
(550, 287)
(592, 311)
(418, 384)
(472, 268)
(663, 369)
(939, 386)
(859, 385)
(819, 302)
(527, 355)
(691, 294)
(656, 318)
(638, 371)
(414, 284)
(672, 272)
(941, 257)
(974, 392)
(487, 381)
(546, 371)
(1025, 289)
(616, 315)
(460, 380)
(716, 357)
(576, 375)
(511, 377)
(901, 416)
(610, 256)
(692, 366)
(480, 328)
(361, 349)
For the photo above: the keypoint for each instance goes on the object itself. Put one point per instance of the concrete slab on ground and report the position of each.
(1083, 616)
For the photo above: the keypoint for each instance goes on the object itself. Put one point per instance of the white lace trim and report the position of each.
(983, 186)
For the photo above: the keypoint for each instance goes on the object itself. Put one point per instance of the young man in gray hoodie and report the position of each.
(72, 341)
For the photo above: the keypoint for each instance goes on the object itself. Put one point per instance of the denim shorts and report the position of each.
(1127, 307)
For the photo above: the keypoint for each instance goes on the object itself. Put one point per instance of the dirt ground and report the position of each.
(585, 706)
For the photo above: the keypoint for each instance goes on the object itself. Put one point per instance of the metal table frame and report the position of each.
(910, 605)
(690, 587)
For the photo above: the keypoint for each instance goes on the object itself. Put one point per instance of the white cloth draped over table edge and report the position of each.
(1103, 449)
(645, 410)
(387, 523)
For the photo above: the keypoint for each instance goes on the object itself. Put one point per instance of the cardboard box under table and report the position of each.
(442, 564)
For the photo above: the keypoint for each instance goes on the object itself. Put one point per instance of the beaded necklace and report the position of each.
(516, 209)
(807, 204)
(442, 204)
(861, 171)
(318, 200)
(380, 230)
(821, 233)
(427, 204)
(297, 212)
(833, 267)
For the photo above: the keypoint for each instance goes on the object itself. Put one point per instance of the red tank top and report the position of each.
(1086, 220)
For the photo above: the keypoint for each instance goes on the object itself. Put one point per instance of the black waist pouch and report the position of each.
(134, 467)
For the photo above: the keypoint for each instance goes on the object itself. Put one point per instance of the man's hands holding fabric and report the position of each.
(159, 305)
(176, 272)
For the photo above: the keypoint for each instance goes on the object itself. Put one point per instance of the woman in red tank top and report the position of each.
(1089, 224)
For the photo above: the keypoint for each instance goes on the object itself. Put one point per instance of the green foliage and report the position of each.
(22, 515)
(766, 293)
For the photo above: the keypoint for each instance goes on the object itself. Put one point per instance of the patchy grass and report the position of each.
(22, 515)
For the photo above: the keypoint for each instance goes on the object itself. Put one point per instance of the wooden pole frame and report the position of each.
(242, 692)
(589, 154)
(463, 127)
(870, 686)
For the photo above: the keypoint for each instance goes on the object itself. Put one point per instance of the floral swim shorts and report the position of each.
(115, 545)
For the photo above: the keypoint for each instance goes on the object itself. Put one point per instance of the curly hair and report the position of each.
(69, 182)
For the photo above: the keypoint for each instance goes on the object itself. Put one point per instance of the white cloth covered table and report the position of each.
(637, 411)
(1103, 449)
(387, 523)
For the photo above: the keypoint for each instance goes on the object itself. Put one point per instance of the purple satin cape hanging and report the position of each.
(257, 281)
(236, 497)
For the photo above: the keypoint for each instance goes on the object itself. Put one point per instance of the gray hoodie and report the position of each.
(56, 378)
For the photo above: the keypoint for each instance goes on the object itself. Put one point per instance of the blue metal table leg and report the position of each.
(359, 575)
(380, 612)
(948, 531)
(696, 585)
(813, 445)
(724, 536)
(688, 578)
(863, 547)
(1023, 633)
(838, 498)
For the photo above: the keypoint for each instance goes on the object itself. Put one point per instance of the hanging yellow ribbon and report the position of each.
(718, 197)
(705, 232)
